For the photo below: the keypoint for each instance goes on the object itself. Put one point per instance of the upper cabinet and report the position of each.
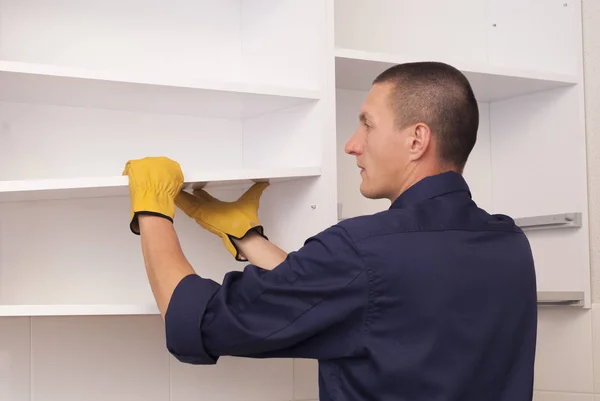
(523, 59)
(424, 29)
(233, 90)
(535, 35)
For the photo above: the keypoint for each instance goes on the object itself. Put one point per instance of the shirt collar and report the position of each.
(431, 187)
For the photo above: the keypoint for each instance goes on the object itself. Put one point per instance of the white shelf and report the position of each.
(76, 310)
(93, 187)
(355, 69)
(37, 83)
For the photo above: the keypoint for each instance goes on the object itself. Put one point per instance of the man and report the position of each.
(433, 299)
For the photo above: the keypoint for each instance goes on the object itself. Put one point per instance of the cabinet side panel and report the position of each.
(282, 42)
(108, 358)
(539, 168)
(426, 29)
(193, 38)
(14, 358)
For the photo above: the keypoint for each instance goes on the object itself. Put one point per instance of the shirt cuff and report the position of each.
(184, 318)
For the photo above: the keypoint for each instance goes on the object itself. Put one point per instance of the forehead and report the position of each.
(376, 103)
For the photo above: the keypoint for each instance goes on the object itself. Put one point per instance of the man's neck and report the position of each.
(416, 174)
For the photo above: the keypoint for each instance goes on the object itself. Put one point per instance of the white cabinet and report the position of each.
(234, 90)
(524, 61)
(237, 91)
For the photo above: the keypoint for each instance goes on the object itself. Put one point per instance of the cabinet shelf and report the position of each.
(77, 310)
(38, 83)
(92, 187)
(355, 70)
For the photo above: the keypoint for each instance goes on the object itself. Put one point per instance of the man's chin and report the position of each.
(367, 193)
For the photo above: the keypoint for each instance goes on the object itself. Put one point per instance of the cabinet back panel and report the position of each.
(282, 42)
(291, 137)
(188, 37)
(539, 168)
(80, 251)
(40, 141)
(469, 33)
(453, 31)
(539, 157)
(554, 33)
(15, 354)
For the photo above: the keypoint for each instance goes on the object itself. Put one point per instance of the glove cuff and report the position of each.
(153, 204)
(134, 225)
(232, 247)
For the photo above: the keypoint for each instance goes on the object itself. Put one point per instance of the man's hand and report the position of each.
(228, 220)
(154, 182)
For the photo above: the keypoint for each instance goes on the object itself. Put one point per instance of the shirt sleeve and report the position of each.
(313, 305)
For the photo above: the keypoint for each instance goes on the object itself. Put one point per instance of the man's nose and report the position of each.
(353, 146)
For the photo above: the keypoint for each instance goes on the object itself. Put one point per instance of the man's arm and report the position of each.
(259, 251)
(314, 304)
(165, 262)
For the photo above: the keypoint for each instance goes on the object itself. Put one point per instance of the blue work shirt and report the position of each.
(433, 299)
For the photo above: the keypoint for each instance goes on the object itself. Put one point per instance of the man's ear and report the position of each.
(420, 141)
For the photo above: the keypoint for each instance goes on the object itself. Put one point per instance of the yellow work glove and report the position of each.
(154, 182)
(225, 219)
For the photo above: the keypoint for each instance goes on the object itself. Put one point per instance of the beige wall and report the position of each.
(568, 353)
(591, 48)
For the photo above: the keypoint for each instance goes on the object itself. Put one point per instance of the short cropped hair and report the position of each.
(440, 96)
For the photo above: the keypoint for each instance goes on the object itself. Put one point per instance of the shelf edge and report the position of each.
(24, 190)
(76, 310)
(390, 58)
(218, 85)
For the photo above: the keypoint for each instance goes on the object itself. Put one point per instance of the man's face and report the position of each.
(381, 149)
